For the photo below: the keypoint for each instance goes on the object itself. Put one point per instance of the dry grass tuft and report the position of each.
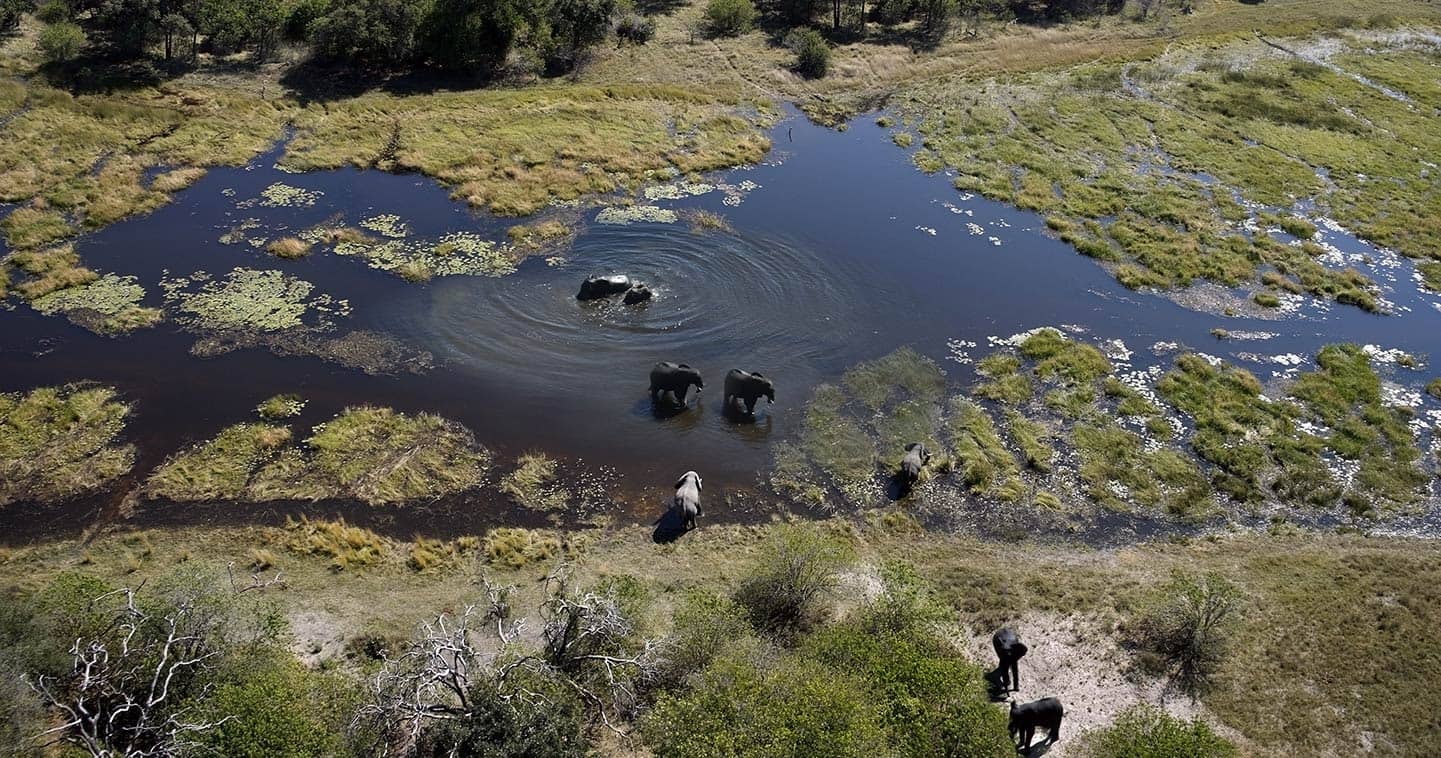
(289, 248)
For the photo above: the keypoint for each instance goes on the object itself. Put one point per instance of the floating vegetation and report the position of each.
(701, 221)
(250, 300)
(636, 214)
(280, 195)
(544, 235)
(374, 455)
(456, 254)
(387, 225)
(371, 352)
(57, 442)
(108, 305)
(532, 484)
(281, 407)
(677, 191)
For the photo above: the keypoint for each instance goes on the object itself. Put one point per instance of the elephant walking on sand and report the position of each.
(675, 378)
(686, 501)
(744, 385)
(1041, 714)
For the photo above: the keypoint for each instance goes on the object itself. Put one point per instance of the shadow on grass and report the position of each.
(668, 528)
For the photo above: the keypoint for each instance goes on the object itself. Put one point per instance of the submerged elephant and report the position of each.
(1009, 650)
(1044, 714)
(912, 462)
(596, 287)
(675, 378)
(638, 293)
(686, 501)
(748, 387)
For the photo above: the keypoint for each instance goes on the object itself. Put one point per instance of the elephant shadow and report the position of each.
(669, 527)
(1037, 749)
(995, 687)
(750, 426)
(897, 488)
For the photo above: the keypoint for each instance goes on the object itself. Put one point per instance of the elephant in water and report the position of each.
(912, 462)
(1025, 719)
(596, 287)
(686, 501)
(638, 293)
(746, 386)
(675, 378)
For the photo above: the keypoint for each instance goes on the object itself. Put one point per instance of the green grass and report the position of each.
(57, 442)
(515, 548)
(221, 468)
(1113, 457)
(986, 466)
(904, 373)
(26, 228)
(278, 407)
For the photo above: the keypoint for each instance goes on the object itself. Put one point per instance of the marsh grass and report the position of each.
(221, 468)
(701, 221)
(515, 548)
(904, 372)
(289, 248)
(57, 442)
(533, 483)
(177, 179)
(30, 227)
(280, 407)
(50, 271)
(345, 547)
(428, 556)
(986, 466)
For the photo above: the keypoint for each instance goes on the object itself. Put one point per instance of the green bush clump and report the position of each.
(787, 592)
(728, 18)
(813, 53)
(1186, 631)
(61, 42)
(533, 713)
(276, 708)
(1148, 732)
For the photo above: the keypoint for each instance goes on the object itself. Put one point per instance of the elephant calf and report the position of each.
(748, 387)
(675, 378)
(638, 293)
(916, 457)
(596, 287)
(686, 501)
(1010, 650)
(1025, 719)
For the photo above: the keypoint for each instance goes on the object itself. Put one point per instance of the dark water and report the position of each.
(844, 253)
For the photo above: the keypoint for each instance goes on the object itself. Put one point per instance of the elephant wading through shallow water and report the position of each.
(743, 385)
(675, 378)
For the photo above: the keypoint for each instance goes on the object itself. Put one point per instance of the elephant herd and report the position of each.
(1025, 718)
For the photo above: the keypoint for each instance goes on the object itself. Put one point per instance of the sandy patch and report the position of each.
(1076, 660)
(319, 637)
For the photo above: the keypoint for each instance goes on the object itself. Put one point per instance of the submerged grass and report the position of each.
(57, 442)
(532, 484)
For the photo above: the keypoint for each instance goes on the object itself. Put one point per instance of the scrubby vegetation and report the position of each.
(1148, 732)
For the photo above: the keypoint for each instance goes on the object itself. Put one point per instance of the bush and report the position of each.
(635, 28)
(61, 42)
(793, 706)
(50, 11)
(728, 18)
(276, 708)
(372, 32)
(301, 16)
(1148, 732)
(785, 593)
(704, 626)
(1185, 634)
(502, 724)
(813, 54)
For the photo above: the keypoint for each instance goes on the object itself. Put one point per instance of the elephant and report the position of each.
(686, 502)
(675, 378)
(1010, 650)
(748, 387)
(1044, 713)
(916, 457)
(638, 293)
(596, 287)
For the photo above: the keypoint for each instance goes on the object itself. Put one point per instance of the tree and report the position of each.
(127, 27)
(1186, 632)
(784, 593)
(370, 32)
(61, 42)
(575, 26)
(471, 35)
(10, 13)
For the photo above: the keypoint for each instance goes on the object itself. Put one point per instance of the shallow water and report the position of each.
(843, 253)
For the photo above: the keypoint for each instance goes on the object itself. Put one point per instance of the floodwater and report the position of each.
(842, 253)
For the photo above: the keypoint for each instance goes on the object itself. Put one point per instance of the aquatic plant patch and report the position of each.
(58, 442)
(624, 215)
(108, 305)
(280, 195)
(281, 407)
(533, 483)
(455, 254)
(250, 300)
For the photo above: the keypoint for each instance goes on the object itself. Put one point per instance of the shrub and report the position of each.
(544, 723)
(52, 11)
(794, 706)
(728, 18)
(813, 55)
(10, 13)
(274, 708)
(61, 42)
(785, 593)
(1148, 732)
(635, 28)
(704, 625)
(1186, 632)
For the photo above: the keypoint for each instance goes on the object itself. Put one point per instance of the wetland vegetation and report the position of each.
(1090, 483)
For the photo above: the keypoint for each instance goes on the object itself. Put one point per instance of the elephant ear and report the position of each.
(679, 482)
